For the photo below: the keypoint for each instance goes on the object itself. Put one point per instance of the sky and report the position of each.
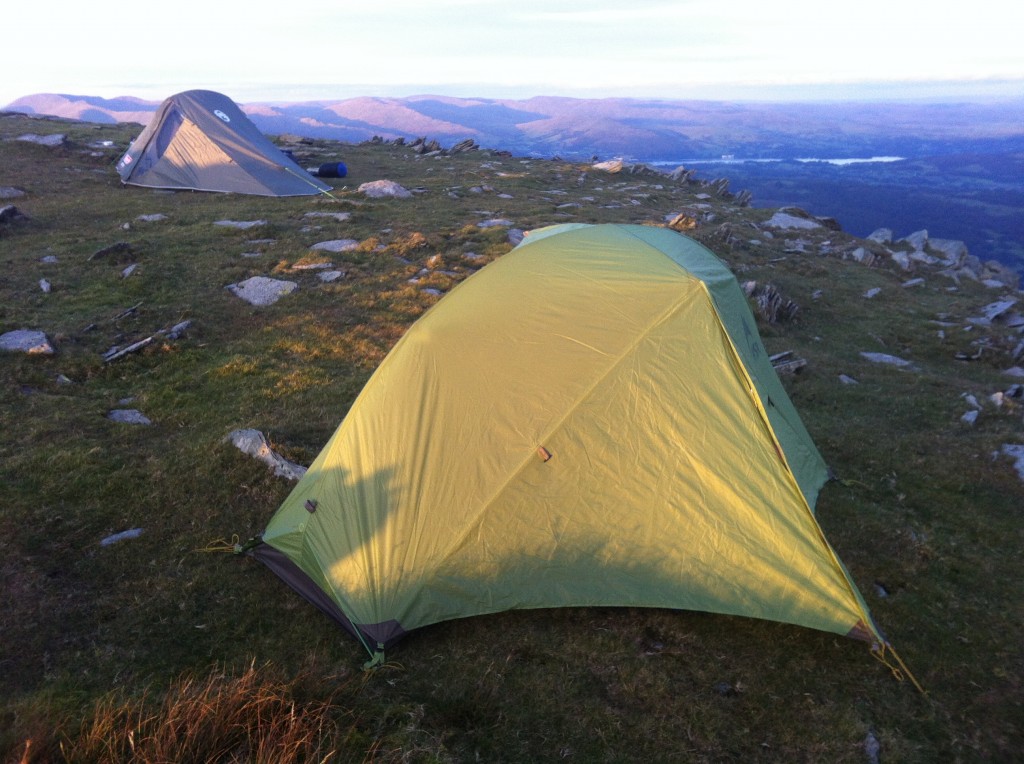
(741, 49)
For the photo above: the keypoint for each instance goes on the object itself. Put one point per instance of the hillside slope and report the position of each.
(127, 637)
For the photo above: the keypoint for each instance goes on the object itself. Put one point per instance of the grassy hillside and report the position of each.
(160, 648)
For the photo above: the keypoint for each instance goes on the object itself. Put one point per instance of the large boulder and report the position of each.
(29, 341)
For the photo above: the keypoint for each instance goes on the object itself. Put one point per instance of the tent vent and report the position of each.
(543, 453)
(310, 505)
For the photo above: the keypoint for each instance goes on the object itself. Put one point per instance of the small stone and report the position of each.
(872, 292)
(847, 380)
(970, 417)
(260, 290)
(243, 225)
(128, 416)
(44, 285)
(336, 245)
(1015, 452)
(886, 359)
(340, 217)
(132, 533)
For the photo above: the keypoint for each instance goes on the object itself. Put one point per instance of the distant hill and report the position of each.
(642, 130)
(955, 182)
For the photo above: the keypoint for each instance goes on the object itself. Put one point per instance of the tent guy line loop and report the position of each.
(896, 666)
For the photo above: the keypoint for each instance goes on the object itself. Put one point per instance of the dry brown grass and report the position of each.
(252, 716)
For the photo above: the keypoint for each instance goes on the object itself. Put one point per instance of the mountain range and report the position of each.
(962, 174)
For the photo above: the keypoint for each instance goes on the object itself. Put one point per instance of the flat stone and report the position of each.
(336, 245)
(886, 359)
(260, 290)
(240, 224)
(785, 220)
(26, 341)
(377, 189)
(56, 139)
(128, 416)
(341, 217)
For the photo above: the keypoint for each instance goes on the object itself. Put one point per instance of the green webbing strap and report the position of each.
(377, 658)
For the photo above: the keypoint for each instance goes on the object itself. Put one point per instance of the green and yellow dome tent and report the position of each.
(589, 420)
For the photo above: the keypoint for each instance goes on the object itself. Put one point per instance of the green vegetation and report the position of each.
(161, 649)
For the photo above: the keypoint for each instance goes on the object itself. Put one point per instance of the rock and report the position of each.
(902, 259)
(340, 217)
(129, 270)
(970, 417)
(612, 166)
(243, 225)
(466, 145)
(770, 303)
(260, 290)
(515, 236)
(128, 416)
(120, 249)
(864, 256)
(329, 276)
(787, 221)
(44, 285)
(494, 223)
(132, 533)
(847, 380)
(995, 310)
(872, 748)
(26, 341)
(336, 245)
(1014, 371)
(913, 283)
(881, 235)
(918, 240)
(1015, 452)
(886, 359)
(176, 331)
(953, 253)
(154, 218)
(377, 189)
(253, 443)
(9, 214)
(873, 292)
(57, 139)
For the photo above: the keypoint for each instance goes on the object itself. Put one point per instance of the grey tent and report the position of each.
(201, 140)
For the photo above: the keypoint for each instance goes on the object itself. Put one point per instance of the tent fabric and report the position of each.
(201, 140)
(589, 420)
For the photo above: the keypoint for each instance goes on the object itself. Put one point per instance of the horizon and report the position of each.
(967, 91)
(792, 50)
